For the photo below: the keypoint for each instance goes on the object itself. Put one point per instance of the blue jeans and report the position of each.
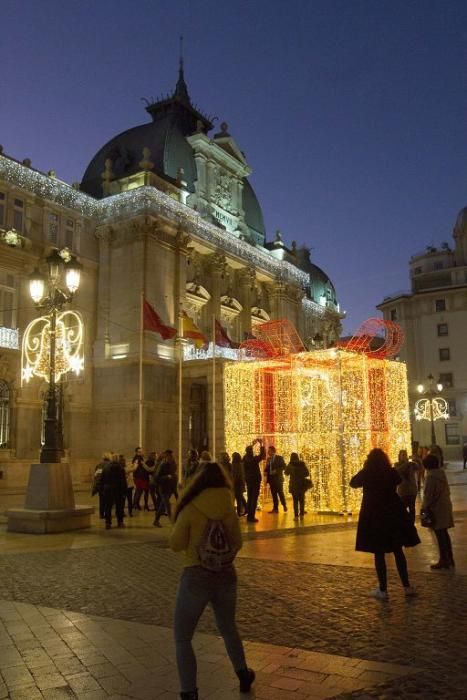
(197, 588)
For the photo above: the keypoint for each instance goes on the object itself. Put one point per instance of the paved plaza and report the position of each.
(88, 614)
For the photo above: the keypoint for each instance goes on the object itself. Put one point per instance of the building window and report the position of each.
(444, 354)
(4, 413)
(446, 379)
(417, 270)
(443, 329)
(393, 314)
(69, 234)
(452, 434)
(7, 300)
(438, 265)
(18, 215)
(2, 208)
(52, 228)
(452, 407)
(440, 304)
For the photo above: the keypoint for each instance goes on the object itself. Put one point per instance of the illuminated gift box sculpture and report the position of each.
(331, 406)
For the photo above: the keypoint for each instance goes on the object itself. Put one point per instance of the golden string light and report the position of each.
(69, 346)
(438, 405)
(330, 406)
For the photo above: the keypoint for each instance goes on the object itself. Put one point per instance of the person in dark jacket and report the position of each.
(384, 525)
(114, 485)
(150, 465)
(97, 483)
(238, 478)
(166, 483)
(437, 498)
(408, 488)
(274, 473)
(299, 475)
(252, 471)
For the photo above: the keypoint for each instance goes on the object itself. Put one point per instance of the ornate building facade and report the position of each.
(433, 315)
(165, 211)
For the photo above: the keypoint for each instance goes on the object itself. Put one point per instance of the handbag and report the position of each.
(308, 484)
(427, 518)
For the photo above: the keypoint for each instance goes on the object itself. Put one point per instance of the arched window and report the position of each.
(4, 413)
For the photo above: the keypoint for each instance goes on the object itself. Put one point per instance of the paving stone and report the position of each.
(298, 606)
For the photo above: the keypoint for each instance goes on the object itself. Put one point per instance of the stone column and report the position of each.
(217, 270)
(102, 343)
(247, 278)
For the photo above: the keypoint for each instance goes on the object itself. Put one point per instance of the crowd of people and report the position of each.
(152, 483)
(206, 517)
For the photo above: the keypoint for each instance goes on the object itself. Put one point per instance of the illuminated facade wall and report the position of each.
(330, 406)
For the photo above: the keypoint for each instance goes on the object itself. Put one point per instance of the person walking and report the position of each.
(437, 501)
(299, 483)
(205, 508)
(238, 479)
(140, 478)
(166, 483)
(252, 472)
(464, 455)
(128, 497)
(384, 525)
(274, 473)
(408, 487)
(114, 485)
(97, 483)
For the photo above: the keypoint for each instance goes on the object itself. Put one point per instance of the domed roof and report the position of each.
(320, 283)
(173, 119)
(461, 221)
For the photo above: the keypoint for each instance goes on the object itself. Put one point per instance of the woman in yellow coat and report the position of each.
(207, 530)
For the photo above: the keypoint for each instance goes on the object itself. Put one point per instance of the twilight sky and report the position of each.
(351, 113)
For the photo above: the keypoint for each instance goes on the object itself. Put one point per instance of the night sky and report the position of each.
(351, 114)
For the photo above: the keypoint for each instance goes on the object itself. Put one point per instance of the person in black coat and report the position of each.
(252, 472)
(166, 482)
(299, 483)
(384, 525)
(274, 473)
(114, 486)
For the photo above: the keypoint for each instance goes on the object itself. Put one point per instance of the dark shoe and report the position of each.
(285, 509)
(295, 517)
(252, 520)
(190, 695)
(121, 525)
(156, 523)
(439, 565)
(246, 677)
(274, 510)
(452, 564)
(108, 526)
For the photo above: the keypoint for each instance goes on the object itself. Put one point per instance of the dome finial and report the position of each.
(181, 89)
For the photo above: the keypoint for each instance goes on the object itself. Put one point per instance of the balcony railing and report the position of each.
(9, 338)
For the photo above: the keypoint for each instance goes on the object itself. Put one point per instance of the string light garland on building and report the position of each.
(145, 200)
(330, 406)
(69, 346)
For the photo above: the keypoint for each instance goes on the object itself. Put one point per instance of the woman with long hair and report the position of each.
(384, 525)
(206, 506)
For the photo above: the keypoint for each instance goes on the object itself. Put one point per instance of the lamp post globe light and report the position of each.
(50, 298)
(432, 407)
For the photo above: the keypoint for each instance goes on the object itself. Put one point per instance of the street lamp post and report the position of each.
(432, 406)
(50, 297)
